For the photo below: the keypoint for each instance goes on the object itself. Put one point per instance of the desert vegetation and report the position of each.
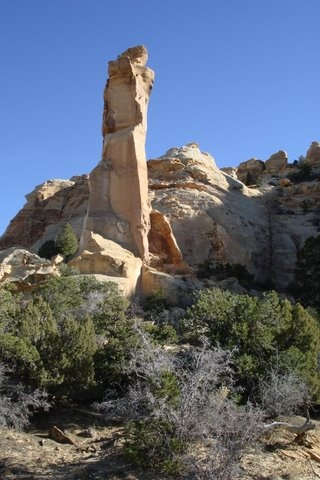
(192, 397)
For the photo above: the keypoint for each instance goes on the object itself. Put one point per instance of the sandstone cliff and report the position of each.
(154, 223)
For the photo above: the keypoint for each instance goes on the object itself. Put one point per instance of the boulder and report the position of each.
(25, 268)
(248, 172)
(49, 207)
(277, 161)
(106, 257)
(313, 154)
(175, 288)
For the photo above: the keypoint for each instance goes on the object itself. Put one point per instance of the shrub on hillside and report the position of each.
(221, 271)
(304, 172)
(72, 334)
(181, 399)
(262, 332)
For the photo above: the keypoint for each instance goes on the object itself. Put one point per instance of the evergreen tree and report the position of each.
(67, 242)
(9, 307)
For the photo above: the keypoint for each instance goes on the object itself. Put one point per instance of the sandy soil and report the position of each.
(97, 453)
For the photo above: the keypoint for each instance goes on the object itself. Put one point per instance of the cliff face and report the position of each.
(151, 222)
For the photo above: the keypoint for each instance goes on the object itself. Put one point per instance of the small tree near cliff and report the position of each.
(67, 242)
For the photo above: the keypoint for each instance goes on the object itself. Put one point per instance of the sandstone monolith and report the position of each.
(119, 209)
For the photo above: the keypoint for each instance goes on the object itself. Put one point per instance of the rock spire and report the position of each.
(119, 209)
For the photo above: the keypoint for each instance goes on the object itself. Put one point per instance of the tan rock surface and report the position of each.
(277, 161)
(163, 245)
(106, 257)
(209, 211)
(174, 287)
(199, 213)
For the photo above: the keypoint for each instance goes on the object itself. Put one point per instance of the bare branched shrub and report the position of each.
(234, 430)
(183, 417)
(17, 404)
(283, 393)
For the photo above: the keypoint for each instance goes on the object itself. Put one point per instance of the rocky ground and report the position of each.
(95, 453)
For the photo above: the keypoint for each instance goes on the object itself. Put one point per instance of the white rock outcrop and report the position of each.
(24, 268)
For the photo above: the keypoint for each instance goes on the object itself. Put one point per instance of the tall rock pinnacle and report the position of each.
(118, 207)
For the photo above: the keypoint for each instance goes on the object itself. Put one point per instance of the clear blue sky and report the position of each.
(240, 77)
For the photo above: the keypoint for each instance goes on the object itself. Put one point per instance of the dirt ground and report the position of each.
(96, 453)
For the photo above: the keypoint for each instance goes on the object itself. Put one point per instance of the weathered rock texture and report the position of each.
(277, 161)
(249, 171)
(211, 214)
(25, 269)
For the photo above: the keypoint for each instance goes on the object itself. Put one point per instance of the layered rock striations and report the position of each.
(25, 269)
(212, 215)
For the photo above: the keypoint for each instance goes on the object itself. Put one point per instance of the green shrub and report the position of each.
(304, 173)
(262, 332)
(9, 307)
(66, 244)
(152, 444)
(72, 333)
(162, 334)
(156, 302)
